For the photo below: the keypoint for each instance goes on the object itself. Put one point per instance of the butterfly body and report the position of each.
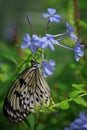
(30, 89)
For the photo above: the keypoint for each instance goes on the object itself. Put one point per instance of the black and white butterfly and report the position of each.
(30, 89)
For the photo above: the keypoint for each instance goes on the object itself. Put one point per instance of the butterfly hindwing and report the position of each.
(28, 90)
(13, 109)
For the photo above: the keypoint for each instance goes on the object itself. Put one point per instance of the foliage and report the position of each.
(68, 84)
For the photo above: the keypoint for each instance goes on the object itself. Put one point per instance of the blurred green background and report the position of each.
(13, 25)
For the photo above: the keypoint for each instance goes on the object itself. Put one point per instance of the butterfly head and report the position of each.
(35, 64)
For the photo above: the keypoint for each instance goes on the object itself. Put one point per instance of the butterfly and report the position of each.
(30, 89)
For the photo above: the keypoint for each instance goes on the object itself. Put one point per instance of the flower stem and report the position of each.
(61, 34)
(70, 99)
(47, 27)
(69, 48)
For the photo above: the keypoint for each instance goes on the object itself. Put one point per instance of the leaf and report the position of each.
(78, 86)
(75, 93)
(64, 104)
(80, 100)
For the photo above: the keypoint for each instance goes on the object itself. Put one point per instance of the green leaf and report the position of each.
(75, 93)
(78, 86)
(80, 100)
(64, 104)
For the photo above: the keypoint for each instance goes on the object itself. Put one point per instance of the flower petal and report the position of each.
(52, 17)
(55, 19)
(78, 51)
(26, 41)
(44, 45)
(45, 15)
(25, 45)
(26, 37)
(54, 41)
(80, 123)
(72, 36)
(36, 41)
(51, 46)
(49, 36)
(48, 67)
(33, 49)
(51, 11)
(69, 27)
(52, 62)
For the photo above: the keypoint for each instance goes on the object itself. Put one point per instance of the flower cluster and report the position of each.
(80, 123)
(35, 42)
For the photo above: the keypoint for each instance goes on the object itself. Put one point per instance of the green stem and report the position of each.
(35, 122)
(82, 95)
(47, 26)
(26, 124)
(56, 105)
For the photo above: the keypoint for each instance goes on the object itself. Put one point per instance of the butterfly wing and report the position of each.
(12, 108)
(28, 89)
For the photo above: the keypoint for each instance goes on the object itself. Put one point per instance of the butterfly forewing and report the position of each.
(28, 90)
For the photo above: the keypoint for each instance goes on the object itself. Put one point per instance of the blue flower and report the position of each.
(80, 123)
(48, 41)
(32, 43)
(78, 51)
(70, 31)
(48, 67)
(52, 17)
